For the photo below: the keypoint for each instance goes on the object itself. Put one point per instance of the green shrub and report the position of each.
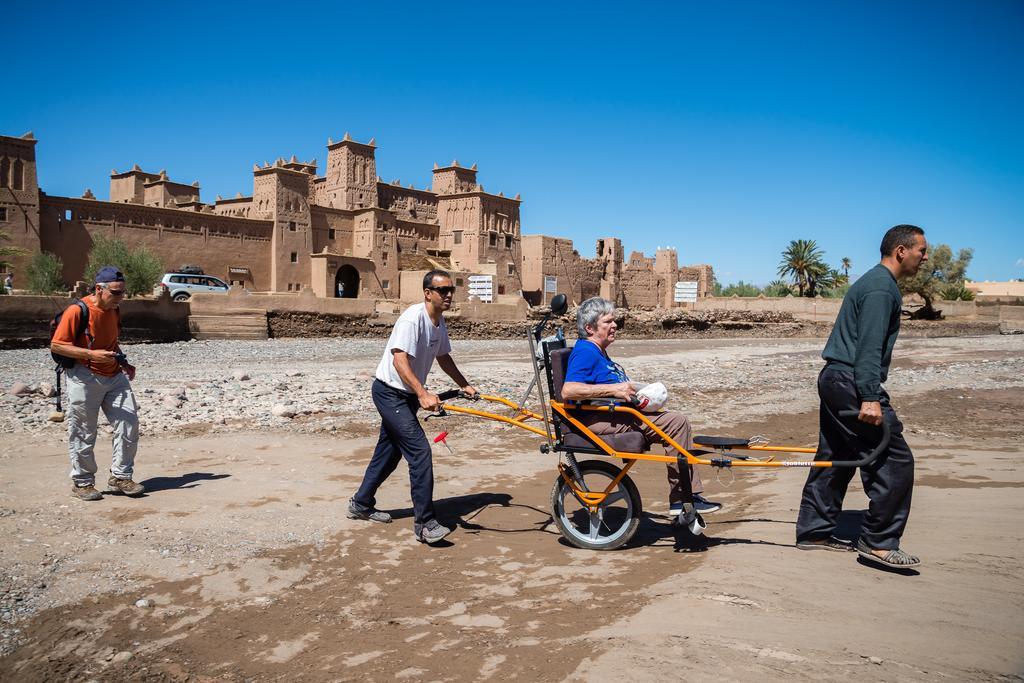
(778, 288)
(44, 274)
(956, 292)
(141, 268)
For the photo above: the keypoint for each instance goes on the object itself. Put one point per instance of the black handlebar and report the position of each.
(873, 455)
(457, 393)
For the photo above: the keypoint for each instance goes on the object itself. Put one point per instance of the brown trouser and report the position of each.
(672, 423)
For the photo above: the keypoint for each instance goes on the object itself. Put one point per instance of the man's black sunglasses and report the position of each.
(443, 291)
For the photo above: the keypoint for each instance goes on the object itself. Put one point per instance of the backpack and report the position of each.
(83, 325)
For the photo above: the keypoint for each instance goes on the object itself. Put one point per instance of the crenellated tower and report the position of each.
(281, 193)
(351, 175)
(19, 197)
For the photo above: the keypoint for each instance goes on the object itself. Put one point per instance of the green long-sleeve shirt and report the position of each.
(866, 330)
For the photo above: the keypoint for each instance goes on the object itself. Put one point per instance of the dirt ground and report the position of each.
(247, 569)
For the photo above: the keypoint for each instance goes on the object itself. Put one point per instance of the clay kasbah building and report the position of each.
(344, 233)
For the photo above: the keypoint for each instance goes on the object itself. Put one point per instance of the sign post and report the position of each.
(685, 293)
(550, 287)
(481, 287)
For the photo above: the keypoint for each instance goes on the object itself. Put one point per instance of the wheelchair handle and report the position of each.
(873, 455)
(457, 393)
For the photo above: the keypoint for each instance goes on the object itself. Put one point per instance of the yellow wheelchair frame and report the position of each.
(609, 525)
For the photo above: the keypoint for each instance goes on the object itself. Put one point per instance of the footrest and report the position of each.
(721, 441)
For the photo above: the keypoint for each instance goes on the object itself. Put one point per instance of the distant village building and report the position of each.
(345, 233)
(988, 290)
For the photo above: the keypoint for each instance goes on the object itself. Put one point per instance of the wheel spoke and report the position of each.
(615, 497)
(595, 526)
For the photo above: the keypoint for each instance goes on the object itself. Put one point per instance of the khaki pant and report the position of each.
(87, 394)
(672, 423)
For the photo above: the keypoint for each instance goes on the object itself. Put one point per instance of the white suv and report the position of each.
(183, 285)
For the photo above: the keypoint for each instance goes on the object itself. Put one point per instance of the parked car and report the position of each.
(183, 285)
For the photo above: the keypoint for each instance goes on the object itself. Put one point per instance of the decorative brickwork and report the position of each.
(297, 226)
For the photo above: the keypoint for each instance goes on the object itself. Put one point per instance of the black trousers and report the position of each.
(888, 481)
(400, 435)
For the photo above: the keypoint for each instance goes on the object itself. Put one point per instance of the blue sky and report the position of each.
(723, 129)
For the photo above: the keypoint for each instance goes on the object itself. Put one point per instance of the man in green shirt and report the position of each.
(857, 357)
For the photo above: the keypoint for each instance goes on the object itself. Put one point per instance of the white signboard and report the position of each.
(550, 283)
(481, 287)
(685, 293)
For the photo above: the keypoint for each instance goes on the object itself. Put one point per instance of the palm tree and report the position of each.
(846, 264)
(802, 260)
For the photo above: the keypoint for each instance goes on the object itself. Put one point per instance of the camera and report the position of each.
(120, 358)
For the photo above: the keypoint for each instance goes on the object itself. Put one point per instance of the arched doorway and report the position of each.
(346, 282)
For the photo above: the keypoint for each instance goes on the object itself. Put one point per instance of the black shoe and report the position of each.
(831, 543)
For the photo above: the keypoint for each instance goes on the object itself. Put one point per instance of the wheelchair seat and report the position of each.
(569, 438)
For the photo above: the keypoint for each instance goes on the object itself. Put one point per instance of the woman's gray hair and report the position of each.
(590, 311)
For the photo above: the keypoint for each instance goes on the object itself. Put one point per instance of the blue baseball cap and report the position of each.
(109, 274)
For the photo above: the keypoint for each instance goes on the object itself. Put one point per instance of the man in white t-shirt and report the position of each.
(419, 336)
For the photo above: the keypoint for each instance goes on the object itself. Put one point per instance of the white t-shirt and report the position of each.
(415, 334)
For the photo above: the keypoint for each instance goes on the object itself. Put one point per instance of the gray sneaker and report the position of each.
(86, 492)
(356, 511)
(126, 486)
(431, 532)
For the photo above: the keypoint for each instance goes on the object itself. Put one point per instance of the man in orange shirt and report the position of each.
(99, 379)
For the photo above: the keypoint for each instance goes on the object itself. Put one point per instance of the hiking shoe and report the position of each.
(431, 532)
(126, 486)
(702, 505)
(86, 493)
(356, 511)
(705, 506)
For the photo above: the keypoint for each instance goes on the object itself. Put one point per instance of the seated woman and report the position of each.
(592, 374)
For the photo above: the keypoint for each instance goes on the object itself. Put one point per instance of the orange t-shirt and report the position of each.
(104, 326)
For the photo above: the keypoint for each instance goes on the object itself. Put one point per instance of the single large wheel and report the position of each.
(614, 522)
(181, 296)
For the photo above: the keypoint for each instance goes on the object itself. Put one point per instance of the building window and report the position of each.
(67, 214)
(17, 175)
(295, 257)
(494, 239)
(511, 269)
(385, 284)
(457, 236)
(330, 233)
(508, 241)
(3, 213)
(501, 289)
(291, 226)
(384, 259)
(458, 282)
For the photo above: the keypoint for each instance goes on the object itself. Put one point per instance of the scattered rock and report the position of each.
(47, 389)
(121, 657)
(240, 375)
(281, 410)
(144, 602)
(20, 389)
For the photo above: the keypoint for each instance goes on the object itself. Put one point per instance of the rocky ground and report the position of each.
(238, 563)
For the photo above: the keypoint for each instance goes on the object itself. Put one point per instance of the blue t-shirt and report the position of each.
(590, 365)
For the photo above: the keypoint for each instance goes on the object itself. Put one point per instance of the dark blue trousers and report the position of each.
(888, 481)
(400, 435)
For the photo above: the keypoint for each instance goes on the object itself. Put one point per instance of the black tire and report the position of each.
(181, 296)
(618, 516)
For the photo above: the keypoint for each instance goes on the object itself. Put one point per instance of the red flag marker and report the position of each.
(443, 438)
